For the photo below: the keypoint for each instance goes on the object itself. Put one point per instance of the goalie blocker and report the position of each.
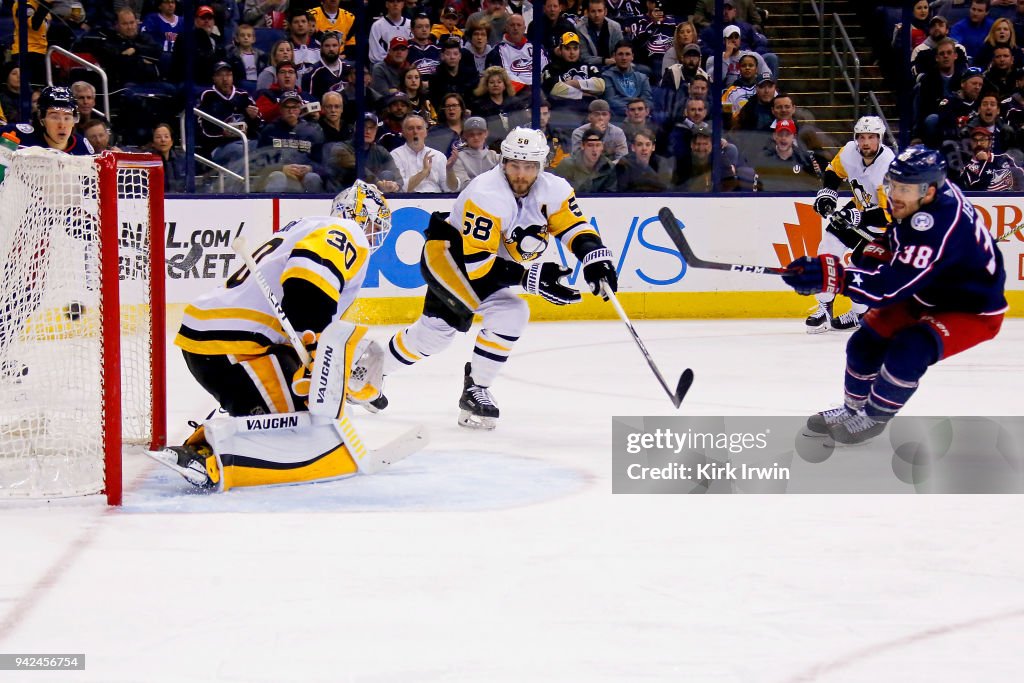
(294, 447)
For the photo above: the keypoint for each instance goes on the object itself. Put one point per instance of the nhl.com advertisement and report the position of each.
(768, 231)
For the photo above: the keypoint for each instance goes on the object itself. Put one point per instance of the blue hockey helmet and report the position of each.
(918, 165)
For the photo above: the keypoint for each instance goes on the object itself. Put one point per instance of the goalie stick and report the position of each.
(685, 380)
(675, 233)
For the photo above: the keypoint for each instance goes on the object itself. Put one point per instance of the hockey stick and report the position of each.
(671, 225)
(684, 381)
(189, 260)
(1013, 231)
(240, 248)
(399, 448)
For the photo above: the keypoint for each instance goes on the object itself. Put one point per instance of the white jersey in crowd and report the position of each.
(329, 253)
(381, 33)
(849, 165)
(495, 224)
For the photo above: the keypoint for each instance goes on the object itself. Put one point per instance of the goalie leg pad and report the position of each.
(335, 354)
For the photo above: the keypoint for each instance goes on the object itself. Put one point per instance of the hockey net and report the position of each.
(81, 319)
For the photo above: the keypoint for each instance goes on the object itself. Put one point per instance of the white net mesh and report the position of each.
(51, 303)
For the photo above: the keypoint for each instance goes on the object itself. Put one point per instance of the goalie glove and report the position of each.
(544, 279)
(825, 202)
(809, 275)
(301, 378)
(597, 269)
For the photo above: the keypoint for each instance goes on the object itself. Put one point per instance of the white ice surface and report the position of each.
(503, 556)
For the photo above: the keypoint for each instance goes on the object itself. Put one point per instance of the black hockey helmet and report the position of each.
(59, 98)
(918, 164)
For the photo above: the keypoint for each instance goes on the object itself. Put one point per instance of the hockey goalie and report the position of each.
(286, 420)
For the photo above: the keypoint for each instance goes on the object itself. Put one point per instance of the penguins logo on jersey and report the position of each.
(530, 242)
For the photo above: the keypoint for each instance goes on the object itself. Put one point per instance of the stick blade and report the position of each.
(685, 381)
(665, 215)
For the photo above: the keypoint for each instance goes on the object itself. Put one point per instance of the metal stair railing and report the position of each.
(890, 138)
(222, 171)
(840, 61)
(818, 7)
(85, 65)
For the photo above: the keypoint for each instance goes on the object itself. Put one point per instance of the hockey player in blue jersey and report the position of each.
(58, 114)
(934, 283)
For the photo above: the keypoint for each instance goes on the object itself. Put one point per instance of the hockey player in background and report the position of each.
(58, 114)
(934, 283)
(490, 244)
(236, 348)
(862, 163)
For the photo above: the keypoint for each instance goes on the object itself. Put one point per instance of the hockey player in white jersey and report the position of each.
(287, 421)
(490, 244)
(862, 163)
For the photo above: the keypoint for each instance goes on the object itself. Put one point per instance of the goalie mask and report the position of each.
(365, 204)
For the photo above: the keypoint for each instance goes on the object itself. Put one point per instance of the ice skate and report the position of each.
(820, 423)
(194, 460)
(857, 429)
(821, 318)
(478, 408)
(846, 321)
(366, 383)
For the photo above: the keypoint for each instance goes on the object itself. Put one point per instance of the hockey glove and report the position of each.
(825, 202)
(300, 380)
(812, 275)
(598, 268)
(870, 255)
(544, 279)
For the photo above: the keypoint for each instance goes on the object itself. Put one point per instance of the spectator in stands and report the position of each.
(305, 48)
(986, 171)
(599, 118)
(571, 85)
(85, 97)
(558, 140)
(623, 82)
(750, 40)
(972, 31)
(424, 169)
(598, 34)
(757, 113)
(163, 26)
(684, 37)
(495, 12)
(330, 17)
(746, 11)
(449, 26)
(332, 106)
(919, 24)
(98, 135)
(387, 73)
(743, 88)
(953, 111)
(281, 51)
(229, 104)
(523, 7)
(246, 60)
(1000, 35)
(266, 14)
(454, 74)
(783, 165)
(268, 100)
(412, 85)
(588, 169)
(477, 46)
(396, 108)
(731, 57)
(515, 54)
(638, 118)
(329, 72)
(923, 56)
(495, 100)
(1004, 137)
(34, 61)
(424, 52)
(10, 92)
(390, 26)
(642, 170)
(1018, 23)
(206, 49)
(674, 90)
(700, 85)
(940, 83)
(448, 132)
(693, 170)
(1001, 74)
(162, 144)
(291, 149)
(654, 39)
(474, 157)
(551, 25)
(678, 130)
(125, 54)
(379, 168)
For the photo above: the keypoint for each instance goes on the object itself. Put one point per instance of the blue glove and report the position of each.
(812, 275)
